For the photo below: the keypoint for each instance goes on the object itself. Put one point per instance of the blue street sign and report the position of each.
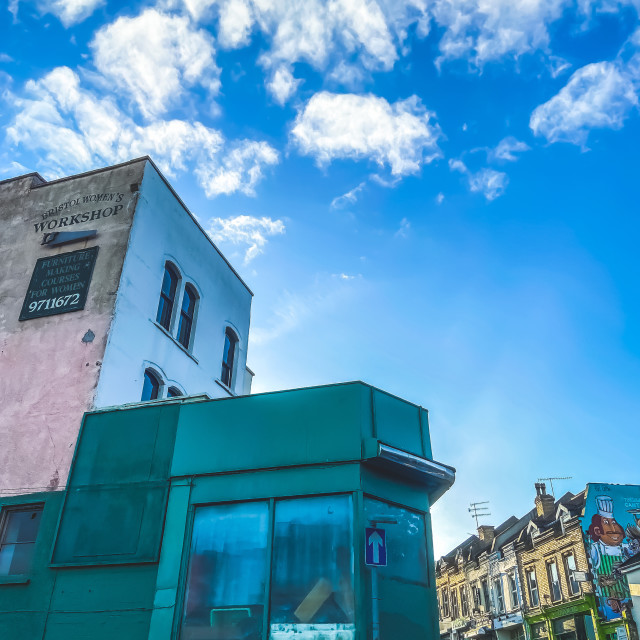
(375, 552)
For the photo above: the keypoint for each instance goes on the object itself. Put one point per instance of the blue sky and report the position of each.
(438, 197)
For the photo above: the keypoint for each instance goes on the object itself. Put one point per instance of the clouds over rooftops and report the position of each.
(73, 130)
(401, 135)
(248, 231)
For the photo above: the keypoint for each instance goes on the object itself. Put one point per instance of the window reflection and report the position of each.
(312, 585)
(227, 569)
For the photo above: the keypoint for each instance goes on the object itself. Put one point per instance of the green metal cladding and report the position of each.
(112, 548)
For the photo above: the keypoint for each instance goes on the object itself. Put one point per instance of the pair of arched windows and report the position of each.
(168, 291)
(152, 387)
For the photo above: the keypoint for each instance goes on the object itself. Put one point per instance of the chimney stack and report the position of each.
(544, 502)
(486, 532)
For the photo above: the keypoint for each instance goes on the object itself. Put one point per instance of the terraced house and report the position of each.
(554, 574)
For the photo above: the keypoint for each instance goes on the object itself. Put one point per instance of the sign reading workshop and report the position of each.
(59, 284)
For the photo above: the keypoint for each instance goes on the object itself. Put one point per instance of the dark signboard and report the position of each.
(59, 284)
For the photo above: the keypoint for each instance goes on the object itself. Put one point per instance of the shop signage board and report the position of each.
(376, 547)
(59, 284)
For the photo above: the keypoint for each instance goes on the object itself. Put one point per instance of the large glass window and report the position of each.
(186, 316)
(227, 573)
(18, 532)
(167, 296)
(228, 356)
(312, 584)
(554, 581)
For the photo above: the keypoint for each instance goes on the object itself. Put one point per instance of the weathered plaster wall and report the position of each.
(163, 230)
(48, 375)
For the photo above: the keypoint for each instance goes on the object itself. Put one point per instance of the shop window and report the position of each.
(513, 591)
(151, 386)
(18, 533)
(539, 631)
(554, 581)
(517, 633)
(187, 312)
(167, 296)
(570, 567)
(309, 576)
(497, 589)
(228, 356)
(532, 585)
(312, 584)
(227, 572)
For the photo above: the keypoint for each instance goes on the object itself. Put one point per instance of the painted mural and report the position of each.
(611, 526)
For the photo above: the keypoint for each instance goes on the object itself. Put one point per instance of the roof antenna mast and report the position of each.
(477, 511)
(551, 481)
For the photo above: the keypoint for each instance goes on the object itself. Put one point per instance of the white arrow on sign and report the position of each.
(376, 541)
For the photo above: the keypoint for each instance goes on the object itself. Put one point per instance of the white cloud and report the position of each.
(440, 198)
(404, 229)
(73, 130)
(400, 135)
(489, 182)
(506, 149)
(321, 33)
(13, 168)
(599, 95)
(245, 230)
(154, 57)
(282, 84)
(351, 197)
(70, 12)
(239, 170)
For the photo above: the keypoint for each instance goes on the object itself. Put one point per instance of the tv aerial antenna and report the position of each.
(551, 481)
(478, 511)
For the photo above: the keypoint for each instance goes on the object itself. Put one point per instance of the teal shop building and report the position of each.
(294, 515)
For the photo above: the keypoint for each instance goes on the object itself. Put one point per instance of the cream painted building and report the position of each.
(112, 293)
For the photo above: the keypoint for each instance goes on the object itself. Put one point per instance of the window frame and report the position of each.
(464, 602)
(533, 588)
(170, 300)
(5, 513)
(189, 318)
(445, 602)
(568, 572)
(486, 594)
(513, 590)
(152, 373)
(455, 611)
(498, 590)
(229, 370)
(553, 563)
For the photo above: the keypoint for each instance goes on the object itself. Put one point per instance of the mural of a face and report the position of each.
(609, 531)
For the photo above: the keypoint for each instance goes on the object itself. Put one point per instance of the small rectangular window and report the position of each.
(18, 533)
(497, 587)
(485, 595)
(532, 584)
(554, 581)
(570, 567)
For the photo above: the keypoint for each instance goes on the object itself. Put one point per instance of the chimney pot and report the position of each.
(486, 532)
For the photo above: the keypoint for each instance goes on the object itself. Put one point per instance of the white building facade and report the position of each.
(112, 294)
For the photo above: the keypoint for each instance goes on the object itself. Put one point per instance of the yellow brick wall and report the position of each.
(547, 548)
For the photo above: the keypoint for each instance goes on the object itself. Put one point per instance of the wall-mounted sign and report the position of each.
(376, 547)
(59, 284)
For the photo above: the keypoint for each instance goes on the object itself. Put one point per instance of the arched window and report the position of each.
(151, 386)
(173, 392)
(186, 316)
(228, 355)
(167, 296)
